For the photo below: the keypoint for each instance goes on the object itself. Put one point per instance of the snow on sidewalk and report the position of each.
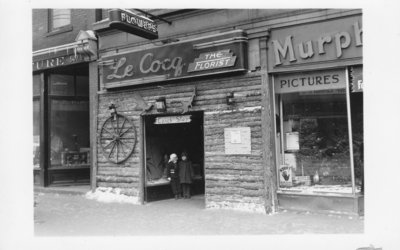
(76, 215)
(110, 195)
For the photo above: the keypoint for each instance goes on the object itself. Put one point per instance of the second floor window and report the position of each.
(59, 18)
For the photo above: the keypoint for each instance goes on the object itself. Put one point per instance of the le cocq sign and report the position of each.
(335, 42)
(132, 23)
(216, 54)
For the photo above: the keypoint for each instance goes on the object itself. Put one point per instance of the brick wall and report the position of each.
(81, 19)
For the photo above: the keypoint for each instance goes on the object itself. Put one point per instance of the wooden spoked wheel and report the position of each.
(117, 138)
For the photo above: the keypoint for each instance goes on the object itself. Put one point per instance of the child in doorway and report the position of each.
(185, 175)
(173, 175)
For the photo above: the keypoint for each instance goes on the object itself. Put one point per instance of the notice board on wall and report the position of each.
(237, 140)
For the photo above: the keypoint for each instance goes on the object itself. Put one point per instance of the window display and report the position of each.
(69, 118)
(36, 121)
(314, 143)
(36, 134)
(69, 135)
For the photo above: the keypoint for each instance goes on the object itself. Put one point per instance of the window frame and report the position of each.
(278, 107)
(61, 29)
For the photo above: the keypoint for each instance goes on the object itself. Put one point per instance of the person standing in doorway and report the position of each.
(173, 175)
(185, 175)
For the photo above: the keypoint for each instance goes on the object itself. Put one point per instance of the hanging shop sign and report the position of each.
(310, 81)
(173, 119)
(205, 56)
(237, 140)
(133, 24)
(313, 45)
(357, 84)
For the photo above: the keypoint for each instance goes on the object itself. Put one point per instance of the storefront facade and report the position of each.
(316, 73)
(223, 94)
(61, 104)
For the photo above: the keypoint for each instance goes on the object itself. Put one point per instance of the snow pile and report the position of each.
(108, 195)
(242, 206)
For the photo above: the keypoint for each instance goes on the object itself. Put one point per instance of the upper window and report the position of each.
(59, 18)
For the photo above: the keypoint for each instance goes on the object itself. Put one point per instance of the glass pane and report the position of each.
(61, 17)
(36, 85)
(69, 127)
(36, 134)
(315, 142)
(82, 86)
(62, 84)
(358, 137)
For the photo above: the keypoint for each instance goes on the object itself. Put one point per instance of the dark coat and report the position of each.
(185, 171)
(172, 170)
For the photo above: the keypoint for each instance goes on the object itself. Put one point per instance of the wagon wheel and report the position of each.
(117, 138)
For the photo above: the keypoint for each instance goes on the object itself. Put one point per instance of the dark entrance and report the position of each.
(165, 135)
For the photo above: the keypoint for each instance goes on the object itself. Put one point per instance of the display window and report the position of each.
(312, 135)
(69, 117)
(36, 121)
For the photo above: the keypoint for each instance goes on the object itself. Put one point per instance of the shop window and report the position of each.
(62, 85)
(69, 133)
(36, 134)
(36, 83)
(59, 19)
(36, 86)
(82, 86)
(313, 141)
(69, 117)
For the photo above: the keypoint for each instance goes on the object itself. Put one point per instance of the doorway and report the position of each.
(167, 134)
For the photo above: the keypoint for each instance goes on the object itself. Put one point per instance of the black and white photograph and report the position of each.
(191, 127)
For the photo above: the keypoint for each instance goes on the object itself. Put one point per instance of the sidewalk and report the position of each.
(63, 214)
(74, 189)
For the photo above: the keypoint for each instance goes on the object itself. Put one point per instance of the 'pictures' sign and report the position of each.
(132, 23)
(216, 54)
(311, 81)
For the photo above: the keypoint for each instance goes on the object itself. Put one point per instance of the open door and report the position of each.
(165, 135)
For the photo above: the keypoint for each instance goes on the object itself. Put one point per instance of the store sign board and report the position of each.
(133, 24)
(178, 60)
(310, 81)
(313, 43)
(237, 140)
(357, 84)
(173, 119)
(58, 61)
(213, 60)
